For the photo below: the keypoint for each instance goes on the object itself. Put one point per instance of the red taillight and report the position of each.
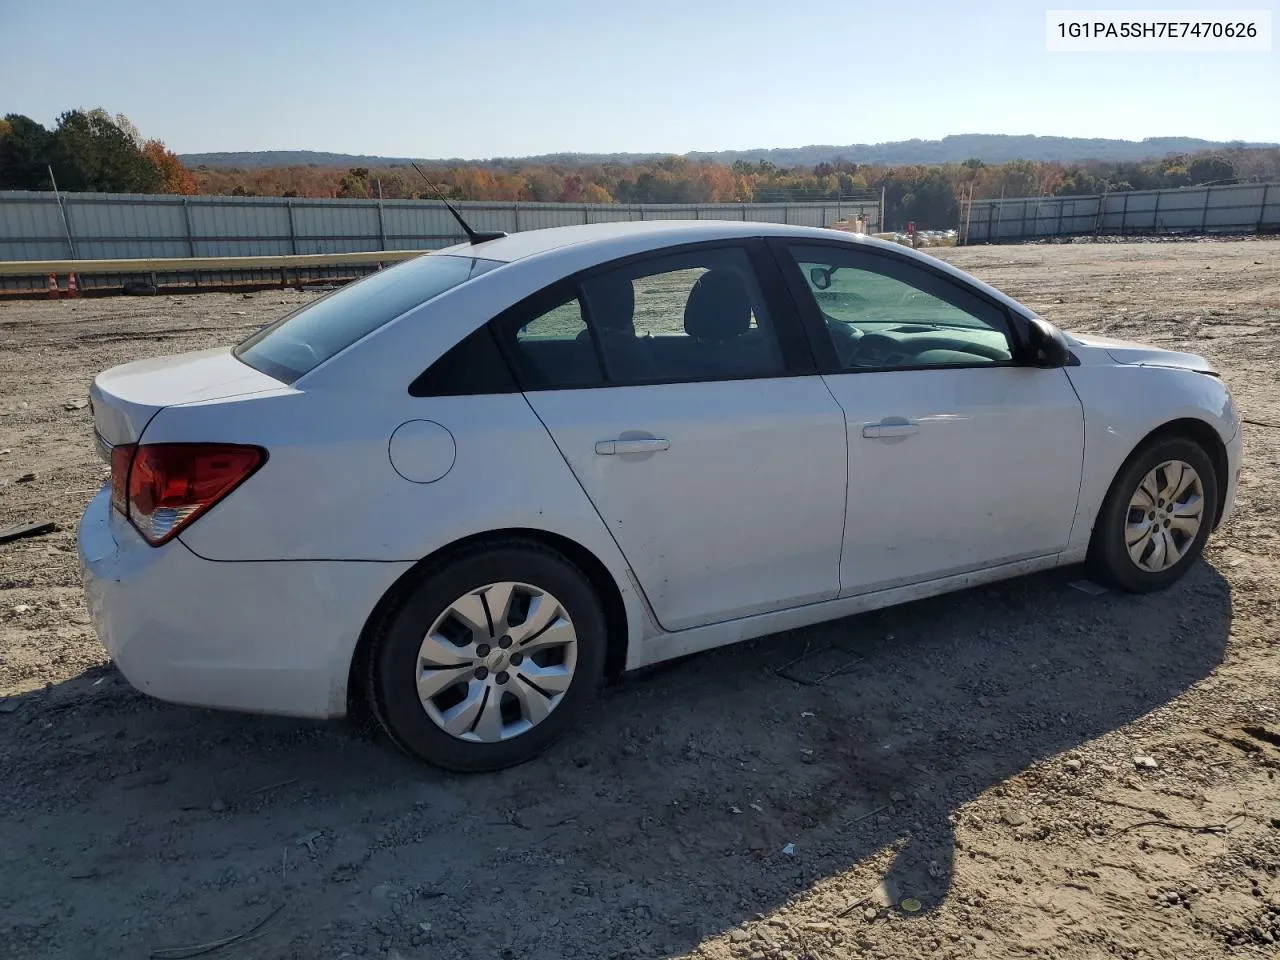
(121, 458)
(163, 487)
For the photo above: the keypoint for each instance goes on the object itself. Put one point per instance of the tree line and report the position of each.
(87, 150)
(931, 195)
(91, 150)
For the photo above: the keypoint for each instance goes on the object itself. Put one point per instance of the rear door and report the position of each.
(681, 391)
(960, 456)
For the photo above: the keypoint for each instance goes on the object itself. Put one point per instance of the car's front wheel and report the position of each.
(1157, 516)
(488, 658)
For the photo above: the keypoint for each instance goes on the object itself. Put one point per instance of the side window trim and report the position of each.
(797, 358)
(807, 309)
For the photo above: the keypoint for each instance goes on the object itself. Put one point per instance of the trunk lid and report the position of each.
(125, 398)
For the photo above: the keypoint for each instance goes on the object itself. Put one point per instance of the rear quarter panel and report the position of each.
(329, 491)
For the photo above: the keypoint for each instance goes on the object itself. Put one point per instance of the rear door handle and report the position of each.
(890, 427)
(609, 448)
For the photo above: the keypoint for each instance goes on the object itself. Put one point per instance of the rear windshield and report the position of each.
(302, 340)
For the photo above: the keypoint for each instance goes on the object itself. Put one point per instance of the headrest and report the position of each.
(719, 307)
(612, 301)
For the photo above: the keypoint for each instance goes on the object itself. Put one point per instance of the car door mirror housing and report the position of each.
(820, 277)
(1048, 347)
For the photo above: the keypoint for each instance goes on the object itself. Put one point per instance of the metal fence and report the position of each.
(1234, 208)
(40, 226)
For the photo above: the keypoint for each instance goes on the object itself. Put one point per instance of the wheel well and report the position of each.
(615, 612)
(1207, 437)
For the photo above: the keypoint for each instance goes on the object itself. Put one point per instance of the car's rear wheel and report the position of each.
(488, 658)
(1157, 516)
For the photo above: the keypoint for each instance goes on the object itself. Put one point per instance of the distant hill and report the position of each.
(989, 148)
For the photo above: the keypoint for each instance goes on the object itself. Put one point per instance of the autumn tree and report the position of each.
(174, 177)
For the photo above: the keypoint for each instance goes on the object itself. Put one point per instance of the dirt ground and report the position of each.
(957, 778)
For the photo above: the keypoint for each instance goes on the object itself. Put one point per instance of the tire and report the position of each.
(505, 692)
(1121, 518)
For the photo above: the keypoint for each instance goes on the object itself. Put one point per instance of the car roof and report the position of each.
(531, 243)
(583, 245)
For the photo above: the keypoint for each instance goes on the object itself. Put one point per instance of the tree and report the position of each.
(573, 189)
(174, 177)
(931, 202)
(542, 185)
(88, 151)
(24, 152)
(355, 183)
(1210, 168)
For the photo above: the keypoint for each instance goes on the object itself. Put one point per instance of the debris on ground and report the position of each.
(20, 530)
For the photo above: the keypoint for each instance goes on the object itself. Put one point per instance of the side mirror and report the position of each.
(820, 277)
(1048, 346)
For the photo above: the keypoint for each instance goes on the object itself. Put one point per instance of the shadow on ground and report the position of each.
(132, 825)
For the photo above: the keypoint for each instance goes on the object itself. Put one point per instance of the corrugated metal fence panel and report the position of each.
(138, 226)
(488, 216)
(1230, 207)
(610, 213)
(121, 229)
(1270, 215)
(31, 229)
(540, 216)
(413, 226)
(226, 227)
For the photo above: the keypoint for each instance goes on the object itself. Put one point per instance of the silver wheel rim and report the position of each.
(1165, 514)
(496, 662)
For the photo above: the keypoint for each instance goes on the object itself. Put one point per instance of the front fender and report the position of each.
(1123, 405)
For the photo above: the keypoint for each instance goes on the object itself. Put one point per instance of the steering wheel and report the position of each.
(874, 347)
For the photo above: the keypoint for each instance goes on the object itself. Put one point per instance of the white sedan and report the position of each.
(467, 489)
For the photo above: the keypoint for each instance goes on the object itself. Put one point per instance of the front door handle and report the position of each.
(890, 427)
(609, 448)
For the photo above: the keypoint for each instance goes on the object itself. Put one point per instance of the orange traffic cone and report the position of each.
(72, 290)
(51, 285)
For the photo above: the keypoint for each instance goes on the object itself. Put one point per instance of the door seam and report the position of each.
(844, 521)
(631, 574)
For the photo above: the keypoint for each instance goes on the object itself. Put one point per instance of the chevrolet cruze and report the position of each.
(466, 489)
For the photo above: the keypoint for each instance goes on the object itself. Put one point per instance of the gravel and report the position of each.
(980, 762)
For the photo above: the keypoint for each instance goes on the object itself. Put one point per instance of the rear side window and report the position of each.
(551, 347)
(683, 317)
(297, 343)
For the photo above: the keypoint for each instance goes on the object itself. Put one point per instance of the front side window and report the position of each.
(302, 340)
(690, 316)
(883, 312)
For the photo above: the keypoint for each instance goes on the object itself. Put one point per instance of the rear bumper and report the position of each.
(266, 637)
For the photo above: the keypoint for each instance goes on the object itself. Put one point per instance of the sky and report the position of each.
(485, 78)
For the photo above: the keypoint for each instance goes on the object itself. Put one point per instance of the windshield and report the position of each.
(302, 340)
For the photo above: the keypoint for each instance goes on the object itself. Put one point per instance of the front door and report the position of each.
(960, 458)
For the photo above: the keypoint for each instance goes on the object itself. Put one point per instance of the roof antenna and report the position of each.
(473, 236)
